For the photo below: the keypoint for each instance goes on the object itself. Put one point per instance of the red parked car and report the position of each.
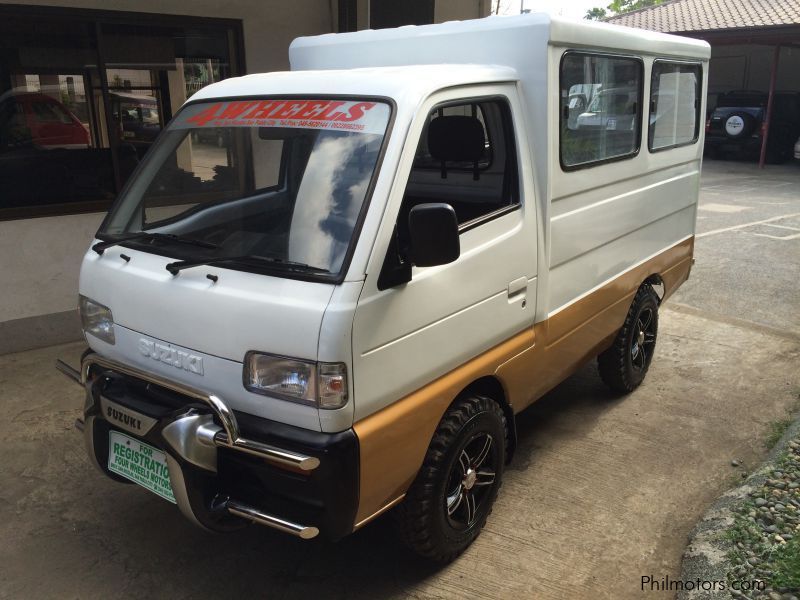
(41, 120)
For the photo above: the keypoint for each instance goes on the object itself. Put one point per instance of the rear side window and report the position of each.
(601, 108)
(674, 105)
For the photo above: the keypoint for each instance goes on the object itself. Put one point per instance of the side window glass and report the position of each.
(601, 107)
(425, 160)
(674, 105)
(466, 157)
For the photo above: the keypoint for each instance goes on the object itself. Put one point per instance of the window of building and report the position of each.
(396, 14)
(83, 94)
(674, 105)
(601, 108)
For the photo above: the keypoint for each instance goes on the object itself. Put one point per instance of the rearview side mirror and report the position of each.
(433, 234)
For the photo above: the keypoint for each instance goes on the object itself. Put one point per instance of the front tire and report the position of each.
(624, 365)
(448, 504)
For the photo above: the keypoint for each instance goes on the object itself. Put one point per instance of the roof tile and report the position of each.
(698, 15)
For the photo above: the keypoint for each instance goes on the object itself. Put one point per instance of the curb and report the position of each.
(705, 558)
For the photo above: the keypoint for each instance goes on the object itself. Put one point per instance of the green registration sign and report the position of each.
(139, 462)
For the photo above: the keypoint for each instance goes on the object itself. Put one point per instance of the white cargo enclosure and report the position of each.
(326, 293)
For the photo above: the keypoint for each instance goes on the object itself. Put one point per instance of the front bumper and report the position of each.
(226, 468)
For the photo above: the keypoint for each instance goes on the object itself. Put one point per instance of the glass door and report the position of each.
(83, 95)
(150, 72)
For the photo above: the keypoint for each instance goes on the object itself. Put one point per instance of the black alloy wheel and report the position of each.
(624, 365)
(643, 340)
(471, 479)
(452, 496)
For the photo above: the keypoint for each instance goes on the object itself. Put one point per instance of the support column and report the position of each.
(768, 117)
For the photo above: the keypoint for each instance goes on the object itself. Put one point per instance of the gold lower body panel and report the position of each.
(394, 440)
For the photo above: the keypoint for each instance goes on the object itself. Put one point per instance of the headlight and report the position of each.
(320, 384)
(97, 319)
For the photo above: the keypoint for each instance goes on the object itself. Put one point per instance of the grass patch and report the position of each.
(778, 566)
(777, 428)
(778, 563)
(776, 431)
(786, 561)
(748, 534)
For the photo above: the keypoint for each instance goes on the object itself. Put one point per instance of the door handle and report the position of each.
(517, 289)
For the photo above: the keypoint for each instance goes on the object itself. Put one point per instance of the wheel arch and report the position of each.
(491, 387)
(655, 281)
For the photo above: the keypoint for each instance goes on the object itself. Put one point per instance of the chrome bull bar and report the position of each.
(228, 437)
(206, 434)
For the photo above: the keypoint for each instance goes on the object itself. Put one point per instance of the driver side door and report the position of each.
(408, 334)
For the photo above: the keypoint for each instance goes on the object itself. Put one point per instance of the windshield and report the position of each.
(282, 179)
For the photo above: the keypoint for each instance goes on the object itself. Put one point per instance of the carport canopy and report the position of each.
(773, 23)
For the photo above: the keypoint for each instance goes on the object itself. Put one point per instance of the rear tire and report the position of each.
(447, 505)
(624, 365)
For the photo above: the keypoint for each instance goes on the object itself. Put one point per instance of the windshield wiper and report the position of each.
(177, 267)
(101, 247)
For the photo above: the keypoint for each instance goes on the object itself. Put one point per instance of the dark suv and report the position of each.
(735, 125)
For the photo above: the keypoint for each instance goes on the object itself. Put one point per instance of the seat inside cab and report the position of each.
(466, 157)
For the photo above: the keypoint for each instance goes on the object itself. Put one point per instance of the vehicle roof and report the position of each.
(28, 95)
(491, 40)
(417, 60)
(409, 83)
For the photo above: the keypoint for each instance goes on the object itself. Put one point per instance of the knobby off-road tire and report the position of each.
(624, 365)
(448, 504)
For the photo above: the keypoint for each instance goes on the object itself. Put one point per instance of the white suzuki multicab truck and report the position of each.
(339, 306)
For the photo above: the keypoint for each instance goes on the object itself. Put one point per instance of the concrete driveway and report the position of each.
(602, 491)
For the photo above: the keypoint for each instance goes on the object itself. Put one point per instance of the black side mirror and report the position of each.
(433, 233)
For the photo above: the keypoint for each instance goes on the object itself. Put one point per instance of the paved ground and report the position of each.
(601, 492)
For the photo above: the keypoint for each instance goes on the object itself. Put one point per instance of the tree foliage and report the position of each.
(623, 6)
(596, 14)
(618, 7)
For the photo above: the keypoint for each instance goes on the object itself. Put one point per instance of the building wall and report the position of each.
(269, 25)
(747, 67)
(40, 258)
(458, 10)
(443, 10)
